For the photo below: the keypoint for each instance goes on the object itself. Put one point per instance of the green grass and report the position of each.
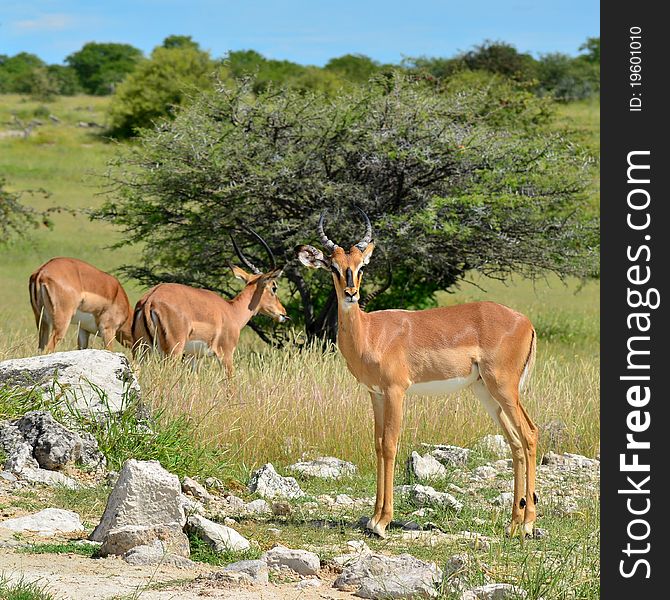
(201, 551)
(60, 548)
(11, 589)
(283, 405)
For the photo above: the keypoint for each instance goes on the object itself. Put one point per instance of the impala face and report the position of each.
(346, 268)
(265, 299)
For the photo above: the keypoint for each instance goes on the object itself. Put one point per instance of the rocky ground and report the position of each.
(82, 531)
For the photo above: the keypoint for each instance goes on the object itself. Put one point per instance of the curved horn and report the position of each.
(328, 244)
(243, 258)
(367, 238)
(265, 245)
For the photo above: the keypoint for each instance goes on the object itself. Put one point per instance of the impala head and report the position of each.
(346, 266)
(265, 299)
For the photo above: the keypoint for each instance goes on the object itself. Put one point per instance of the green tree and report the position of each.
(567, 78)
(447, 190)
(101, 67)
(590, 50)
(357, 68)
(65, 80)
(180, 41)
(501, 58)
(158, 86)
(16, 72)
(16, 217)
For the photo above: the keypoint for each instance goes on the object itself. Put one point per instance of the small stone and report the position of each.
(504, 499)
(258, 507)
(484, 472)
(300, 561)
(230, 522)
(274, 531)
(219, 537)
(155, 554)
(46, 523)
(281, 509)
(495, 445)
(255, 570)
(324, 467)
(424, 495)
(267, 483)
(214, 483)
(191, 486)
(308, 584)
(120, 540)
(449, 455)
(425, 467)
(570, 461)
(343, 499)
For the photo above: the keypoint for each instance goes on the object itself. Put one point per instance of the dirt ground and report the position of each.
(74, 577)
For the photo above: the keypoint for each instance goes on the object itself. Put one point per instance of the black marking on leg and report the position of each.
(534, 497)
(522, 503)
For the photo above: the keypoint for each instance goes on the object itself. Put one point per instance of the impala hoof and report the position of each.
(529, 529)
(379, 531)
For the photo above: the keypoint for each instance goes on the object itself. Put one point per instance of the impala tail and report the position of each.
(41, 304)
(143, 329)
(530, 361)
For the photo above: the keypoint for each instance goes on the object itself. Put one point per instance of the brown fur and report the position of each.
(62, 286)
(390, 350)
(170, 315)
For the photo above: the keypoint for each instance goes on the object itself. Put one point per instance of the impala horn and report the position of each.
(271, 256)
(363, 244)
(328, 244)
(245, 261)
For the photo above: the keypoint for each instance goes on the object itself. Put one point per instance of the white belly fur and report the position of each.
(85, 321)
(197, 348)
(443, 386)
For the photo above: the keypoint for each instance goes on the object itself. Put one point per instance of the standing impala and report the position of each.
(181, 320)
(68, 290)
(482, 345)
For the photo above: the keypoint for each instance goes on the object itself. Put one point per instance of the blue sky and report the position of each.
(304, 31)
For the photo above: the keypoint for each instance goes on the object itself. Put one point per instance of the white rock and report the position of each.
(154, 554)
(495, 591)
(258, 507)
(378, 576)
(47, 522)
(308, 584)
(496, 445)
(324, 467)
(255, 570)
(79, 377)
(120, 540)
(220, 537)
(424, 495)
(504, 499)
(343, 499)
(484, 472)
(300, 561)
(145, 494)
(570, 461)
(425, 467)
(449, 455)
(267, 483)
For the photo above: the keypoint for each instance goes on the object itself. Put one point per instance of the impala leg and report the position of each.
(60, 325)
(501, 406)
(529, 440)
(82, 339)
(378, 409)
(393, 403)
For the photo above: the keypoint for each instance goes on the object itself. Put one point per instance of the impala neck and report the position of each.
(245, 304)
(351, 328)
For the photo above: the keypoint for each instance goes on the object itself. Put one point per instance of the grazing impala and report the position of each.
(68, 290)
(180, 320)
(482, 345)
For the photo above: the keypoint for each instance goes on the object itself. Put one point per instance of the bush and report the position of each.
(448, 189)
(101, 67)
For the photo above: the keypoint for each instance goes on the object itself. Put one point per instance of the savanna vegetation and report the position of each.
(421, 153)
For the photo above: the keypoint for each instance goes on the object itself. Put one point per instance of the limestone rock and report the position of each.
(324, 467)
(120, 540)
(255, 570)
(378, 576)
(145, 494)
(47, 522)
(220, 537)
(300, 561)
(495, 591)
(424, 495)
(154, 554)
(425, 467)
(496, 445)
(267, 483)
(96, 382)
(192, 487)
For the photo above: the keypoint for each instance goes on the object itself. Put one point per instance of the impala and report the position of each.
(181, 320)
(68, 290)
(482, 345)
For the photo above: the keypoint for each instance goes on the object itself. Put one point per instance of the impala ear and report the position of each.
(274, 274)
(241, 274)
(312, 258)
(367, 253)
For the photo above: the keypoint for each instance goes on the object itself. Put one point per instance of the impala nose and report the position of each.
(351, 294)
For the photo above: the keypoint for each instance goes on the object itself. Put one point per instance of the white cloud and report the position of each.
(55, 22)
